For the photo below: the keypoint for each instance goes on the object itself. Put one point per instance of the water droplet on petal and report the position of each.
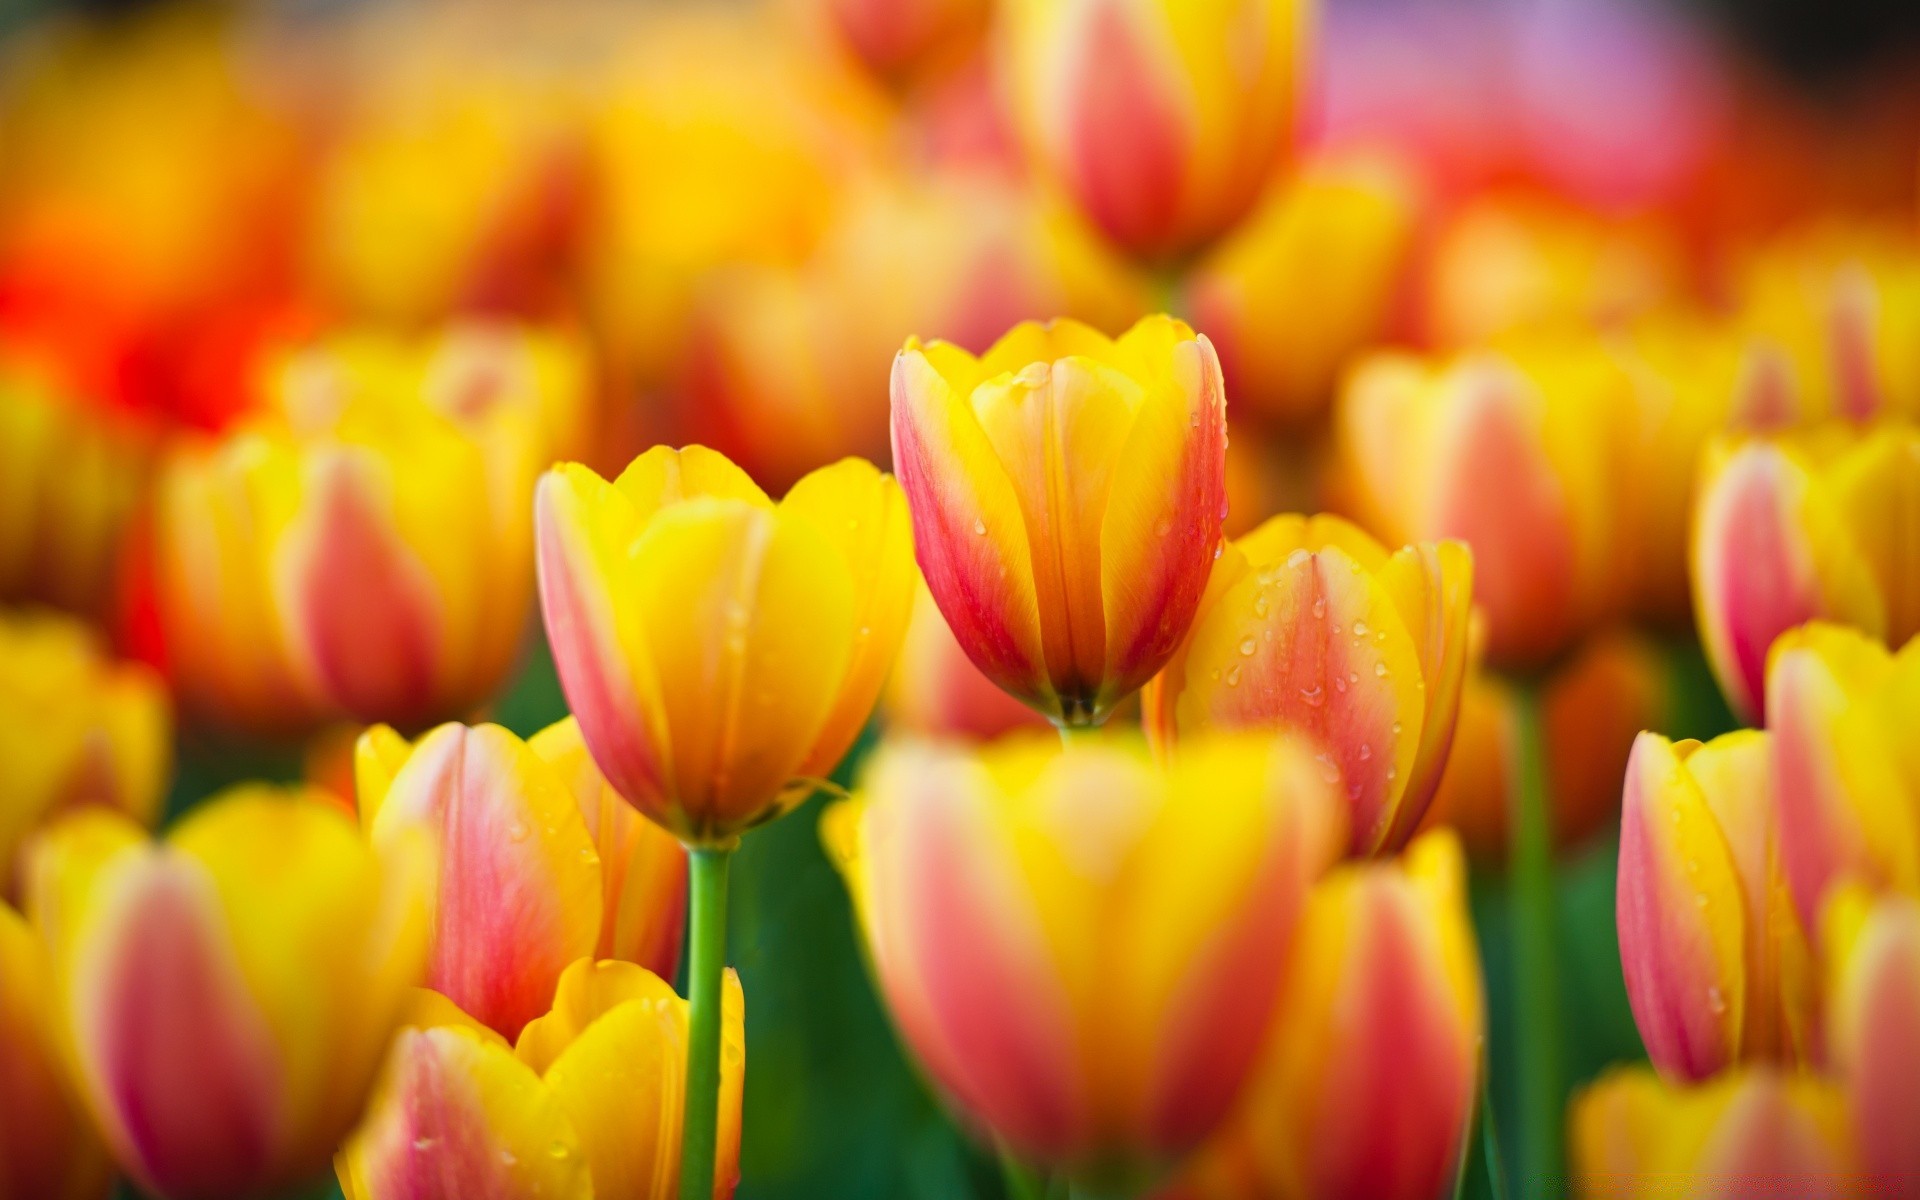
(1354, 677)
(1716, 1001)
(1366, 752)
(1315, 695)
(1319, 606)
(1396, 729)
(979, 526)
(1233, 675)
(1380, 670)
(1328, 770)
(1247, 645)
(559, 1150)
(422, 1144)
(507, 1158)
(1339, 683)
(1359, 629)
(518, 831)
(1298, 558)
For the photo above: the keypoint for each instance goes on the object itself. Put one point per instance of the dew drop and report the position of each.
(1335, 627)
(1247, 645)
(1380, 670)
(1339, 683)
(1391, 772)
(1366, 752)
(1298, 558)
(422, 1144)
(1214, 674)
(1319, 606)
(559, 1151)
(589, 857)
(518, 831)
(1716, 1001)
(979, 526)
(1359, 629)
(1328, 770)
(1216, 552)
(1396, 729)
(1260, 605)
(507, 1158)
(1233, 675)
(1315, 695)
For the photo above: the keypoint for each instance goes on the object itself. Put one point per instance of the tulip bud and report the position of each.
(1516, 453)
(1843, 728)
(721, 652)
(1082, 949)
(1312, 277)
(227, 994)
(1750, 1132)
(1873, 1029)
(1067, 493)
(538, 863)
(1796, 529)
(1717, 964)
(936, 691)
(1367, 1088)
(48, 1149)
(1310, 625)
(1161, 120)
(588, 1103)
(76, 729)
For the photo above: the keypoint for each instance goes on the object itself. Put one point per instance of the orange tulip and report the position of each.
(586, 1106)
(1310, 625)
(1795, 528)
(1873, 1030)
(1368, 1085)
(1161, 120)
(720, 651)
(48, 1147)
(1717, 964)
(1067, 494)
(539, 863)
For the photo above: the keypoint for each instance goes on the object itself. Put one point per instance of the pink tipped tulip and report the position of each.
(1873, 1030)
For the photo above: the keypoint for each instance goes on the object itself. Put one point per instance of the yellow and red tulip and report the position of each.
(539, 863)
(48, 1147)
(76, 728)
(586, 1105)
(720, 651)
(225, 996)
(1163, 120)
(1752, 1131)
(1717, 963)
(1067, 493)
(1791, 529)
(306, 564)
(1314, 276)
(1310, 625)
(1843, 722)
(936, 691)
(1368, 1086)
(1514, 452)
(1082, 948)
(1872, 948)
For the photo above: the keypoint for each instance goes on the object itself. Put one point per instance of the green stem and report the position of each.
(1071, 735)
(1489, 1137)
(1535, 967)
(699, 1133)
(1023, 1182)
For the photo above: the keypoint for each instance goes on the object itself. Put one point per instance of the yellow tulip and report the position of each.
(1310, 625)
(365, 550)
(1161, 120)
(76, 728)
(226, 995)
(1081, 948)
(48, 1148)
(586, 1106)
(539, 863)
(720, 651)
(1368, 1085)
(1795, 528)
(1067, 493)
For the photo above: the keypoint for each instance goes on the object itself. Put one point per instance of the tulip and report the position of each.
(1591, 708)
(1873, 1029)
(936, 691)
(721, 652)
(587, 1104)
(539, 863)
(48, 1149)
(1082, 949)
(1067, 493)
(899, 39)
(76, 728)
(1794, 529)
(1312, 278)
(1310, 625)
(1514, 452)
(307, 565)
(1842, 711)
(227, 995)
(1717, 964)
(1161, 120)
(1368, 1086)
(1751, 1132)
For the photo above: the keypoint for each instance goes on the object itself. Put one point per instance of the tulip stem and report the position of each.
(1071, 735)
(1023, 1182)
(1535, 967)
(700, 1121)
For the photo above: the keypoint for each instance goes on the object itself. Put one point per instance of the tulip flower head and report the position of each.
(227, 994)
(586, 1105)
(1310, 625)
(1873, 1028)
(539, 863)
(898, 39)
(1753, 1131)
(1717, 964)
(936, 691)
(719, 651)
(1083, 949)
(48, 1148)
(1161, 119)
(75, 729)
(1796, 528)
(1367, 1088)
(1845, 725)
(1067, 493)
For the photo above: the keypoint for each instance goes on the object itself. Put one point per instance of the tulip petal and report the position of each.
(664, 476)
(1432, 586)
(47, 1144)
(1876, 487)
(1873, 1021)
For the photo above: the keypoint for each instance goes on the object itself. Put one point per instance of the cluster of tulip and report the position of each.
(336, 413)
